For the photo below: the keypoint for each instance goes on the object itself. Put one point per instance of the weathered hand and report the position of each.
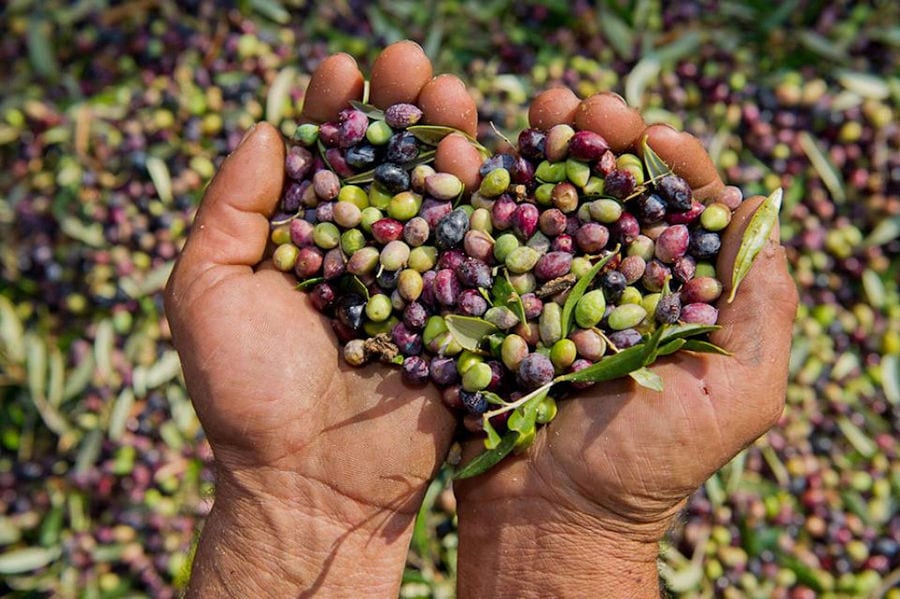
(321, 467)
(581, 512)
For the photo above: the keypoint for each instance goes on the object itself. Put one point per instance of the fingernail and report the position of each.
(247, 135)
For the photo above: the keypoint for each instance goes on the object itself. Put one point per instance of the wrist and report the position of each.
(296, 537)
(532, 547)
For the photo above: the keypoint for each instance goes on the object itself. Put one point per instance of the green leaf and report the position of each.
(433, 134)
(19, 561)
(363, 177)
(682, 331)
(647, 378)
(354, 285)
(120, 412)
(506, 295)
(493, 439)
(654, 165)
(493, 399)
(279, 95)
(488, 459)
(611, 367)
(858, 439)
(41, 53)
(646, 70)
(755, 238)
(370, 111)
(884, 232)
(578, 290)
(830, 176)
(704, 347)
(670, 348)
(304, 285)
(271, 9)
(469, 331)
(162, 181)
(523, 419)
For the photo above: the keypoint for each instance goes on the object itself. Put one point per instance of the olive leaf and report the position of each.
(370, 111)
(363, 177)
(353, 284)
(523, 418)
(617, 365)
(493, 398)
(755, 237)
(578, 290)
(682, 331)
(303, 286)
(486, 460)
(705, 347)
(670, 348)
(469, 331)
(506, 295)
(433, 134)
(493, 439)
(656, 166)
(647, 378)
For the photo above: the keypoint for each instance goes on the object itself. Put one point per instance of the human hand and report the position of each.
(582, 511)
(320, 467)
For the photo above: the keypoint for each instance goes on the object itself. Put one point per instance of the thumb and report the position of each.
(231, 228)
(757, 326)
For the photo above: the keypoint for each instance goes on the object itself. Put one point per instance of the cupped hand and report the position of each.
(587, 504)
(327, 463)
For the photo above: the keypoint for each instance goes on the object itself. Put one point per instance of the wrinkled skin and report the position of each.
(296, 433)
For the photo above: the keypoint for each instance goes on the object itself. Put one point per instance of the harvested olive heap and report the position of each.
(568, 265)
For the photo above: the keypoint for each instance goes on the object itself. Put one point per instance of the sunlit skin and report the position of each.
(321, 467)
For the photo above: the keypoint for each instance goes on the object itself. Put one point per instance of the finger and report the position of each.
(399, 74)
(231, 227)
(609, 115)
(456, 155)
(445, 101)
(688, 159)
(334, 83)
(757, 326)
(556, 106)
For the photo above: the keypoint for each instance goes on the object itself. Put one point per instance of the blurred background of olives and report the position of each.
(114, 115)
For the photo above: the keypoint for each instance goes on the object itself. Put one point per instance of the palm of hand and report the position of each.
(273, 393)
(630, 456)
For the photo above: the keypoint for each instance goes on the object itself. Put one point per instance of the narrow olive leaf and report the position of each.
(704, 347)
(162, 180)
(356, 286)
(653, 344)
(36, 366)
(303, 286)
(609, 368)
(866, 85)
(469, 331)
(523, 419)
(884, 232)
(670, 348)
(12, 333)
(493, 439)
(825, 169)
(57, 375)
(683, 331)
(423, 158)
(488, 459)
(648, 379)
(271, 9)
(369, 110)
(19, 561)
(120, 412)
(506, 295)
(646, 70)
(858, 439)
(104, 340)
(578, 290)
(493, 398)
(655, 166)
(279, 95)
(890, 378)
(321, 147)
(433, 134)
(755, 238)
(79, 378)
(363, 177)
